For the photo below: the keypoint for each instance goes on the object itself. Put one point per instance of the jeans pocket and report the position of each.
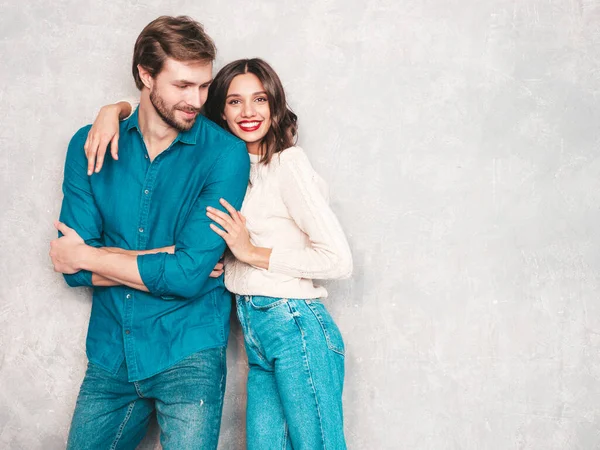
(332, 333)
(264, 303)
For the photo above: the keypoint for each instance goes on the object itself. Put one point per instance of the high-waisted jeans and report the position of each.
(296, 358)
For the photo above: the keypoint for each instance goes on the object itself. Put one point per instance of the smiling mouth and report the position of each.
(189, 114)
(250, 126)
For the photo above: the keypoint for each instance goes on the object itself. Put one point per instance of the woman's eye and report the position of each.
(234, 102)
(261, 99)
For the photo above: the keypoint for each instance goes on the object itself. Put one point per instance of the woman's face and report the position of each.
(247, 110)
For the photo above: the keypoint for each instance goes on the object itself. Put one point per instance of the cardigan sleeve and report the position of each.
(328, 255)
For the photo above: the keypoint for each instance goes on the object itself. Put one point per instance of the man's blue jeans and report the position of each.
(113, 413)
(296, 358)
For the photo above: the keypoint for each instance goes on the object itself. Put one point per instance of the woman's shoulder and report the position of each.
(292, 156)
(293, 164)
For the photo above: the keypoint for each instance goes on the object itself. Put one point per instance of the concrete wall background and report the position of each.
(460, 141)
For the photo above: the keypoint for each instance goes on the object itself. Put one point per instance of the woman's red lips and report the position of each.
(250, 125)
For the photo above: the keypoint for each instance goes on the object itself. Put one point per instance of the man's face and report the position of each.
(179, 91)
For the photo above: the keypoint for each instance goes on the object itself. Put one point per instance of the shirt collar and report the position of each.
(132, 121)
(186, 137)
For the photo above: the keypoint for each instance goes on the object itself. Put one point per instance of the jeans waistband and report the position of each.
(248, 298)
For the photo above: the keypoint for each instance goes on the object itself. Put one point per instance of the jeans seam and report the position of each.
(249, 335)
(285, 433)
(222, 386)
(137, 389)
(307, 366)
(122, 426)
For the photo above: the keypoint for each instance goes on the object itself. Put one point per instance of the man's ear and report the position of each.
(145, 76)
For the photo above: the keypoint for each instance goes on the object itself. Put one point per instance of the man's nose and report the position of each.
(203, 97)
(196, 99)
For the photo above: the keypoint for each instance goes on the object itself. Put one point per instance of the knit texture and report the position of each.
(287, 210)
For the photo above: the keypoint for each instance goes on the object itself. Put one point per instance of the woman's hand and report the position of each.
(104, 131)
(234, 230)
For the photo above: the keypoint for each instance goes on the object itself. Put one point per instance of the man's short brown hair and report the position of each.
(180, 38)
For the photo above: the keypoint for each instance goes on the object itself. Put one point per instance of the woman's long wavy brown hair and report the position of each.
(283, 131)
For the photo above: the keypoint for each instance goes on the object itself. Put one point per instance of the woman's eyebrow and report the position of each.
(238, 95)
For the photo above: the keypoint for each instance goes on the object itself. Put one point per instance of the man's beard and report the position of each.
(168, 115)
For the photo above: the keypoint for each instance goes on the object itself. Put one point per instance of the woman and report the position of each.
(284, 236)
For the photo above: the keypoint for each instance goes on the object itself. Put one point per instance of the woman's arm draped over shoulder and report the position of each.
(105, 131)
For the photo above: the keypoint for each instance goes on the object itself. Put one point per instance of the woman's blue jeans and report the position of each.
(296, 358)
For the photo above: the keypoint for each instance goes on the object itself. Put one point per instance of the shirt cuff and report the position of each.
(151, 268)
(81, 278)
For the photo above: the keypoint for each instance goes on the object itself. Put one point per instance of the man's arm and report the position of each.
(99, 280)
(79, 208)
(80, 212)
(197, 249)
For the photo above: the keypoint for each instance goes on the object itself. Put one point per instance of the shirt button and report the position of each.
(127, 331)
(128, 296)
(141, 230)
(146, 156)
(146, 192)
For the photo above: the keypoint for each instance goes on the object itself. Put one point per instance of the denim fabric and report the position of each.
(113, 413)
(296, 358)
(138, 204)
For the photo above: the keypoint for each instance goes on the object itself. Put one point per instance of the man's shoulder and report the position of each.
(125, 124)
(78, 141)
(216, 137)
(82, 133)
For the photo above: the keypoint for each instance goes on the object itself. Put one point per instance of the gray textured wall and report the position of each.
(460, 140)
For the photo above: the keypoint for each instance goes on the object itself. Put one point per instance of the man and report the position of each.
(159, 325)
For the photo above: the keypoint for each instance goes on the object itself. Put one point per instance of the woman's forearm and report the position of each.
(124, 109)
(259, 257)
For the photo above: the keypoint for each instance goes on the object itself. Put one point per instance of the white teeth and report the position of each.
(249, 124)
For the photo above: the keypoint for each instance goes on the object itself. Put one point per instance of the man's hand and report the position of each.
(65, 251)
(218, 270)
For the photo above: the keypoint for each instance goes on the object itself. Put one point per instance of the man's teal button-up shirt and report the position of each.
(136, 204)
